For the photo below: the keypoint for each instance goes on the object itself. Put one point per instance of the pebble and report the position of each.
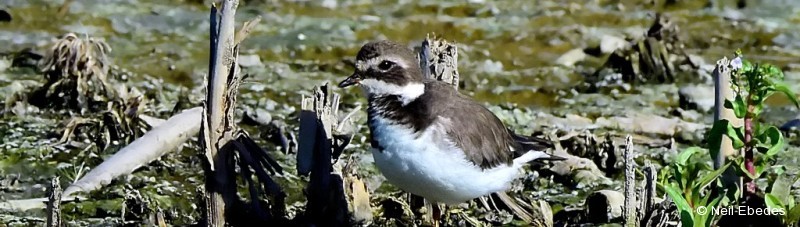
(4, 64)
(330, 4)
(490, 66)
(370, 18)
(250, 60)
(699, 97)
(604, 205)
(571, 57)
(260, 116)
(609, 44)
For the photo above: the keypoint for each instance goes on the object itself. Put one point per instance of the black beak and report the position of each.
(351, 80)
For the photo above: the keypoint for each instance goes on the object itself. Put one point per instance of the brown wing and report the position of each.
(476, 130)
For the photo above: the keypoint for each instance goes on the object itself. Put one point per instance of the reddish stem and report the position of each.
(749, 157)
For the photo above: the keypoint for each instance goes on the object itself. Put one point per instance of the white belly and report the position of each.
(429, 165)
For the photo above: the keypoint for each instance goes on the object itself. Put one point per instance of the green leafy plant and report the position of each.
(690, 185)
(753, 84)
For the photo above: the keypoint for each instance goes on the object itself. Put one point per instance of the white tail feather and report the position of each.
(530, 156)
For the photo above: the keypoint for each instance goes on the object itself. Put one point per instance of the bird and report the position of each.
(430, 140)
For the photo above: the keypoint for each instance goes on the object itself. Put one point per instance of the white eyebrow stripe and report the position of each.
(364, 65)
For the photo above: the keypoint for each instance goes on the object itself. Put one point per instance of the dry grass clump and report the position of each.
(76, 70)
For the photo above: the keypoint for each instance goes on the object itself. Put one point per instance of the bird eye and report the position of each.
(385, 65)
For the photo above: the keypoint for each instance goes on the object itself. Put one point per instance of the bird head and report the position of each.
(386, 68)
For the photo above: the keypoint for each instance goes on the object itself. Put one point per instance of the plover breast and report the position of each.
(428, 164)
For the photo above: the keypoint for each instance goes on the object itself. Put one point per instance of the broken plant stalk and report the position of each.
(217, 126)
(226, 147)
(335, 196)
(723, 91)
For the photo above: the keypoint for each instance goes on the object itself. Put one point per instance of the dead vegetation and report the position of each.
(77, 80)
(651, 58)
(76, 73)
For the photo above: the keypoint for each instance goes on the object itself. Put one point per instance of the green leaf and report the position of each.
(724, 127)
(711, 206)
(716, 201)
(747, 66)
(784, 88)
(678, 176)
(700, 201)
(737, 105)
(761, 163)
(794, 214)
(710, 177)
(758, 108)
(718, 130)
(774, 72)
(703, 166)
(772, 201)
(775, 138)
(737, 136)
(687, 219)
(700, 220)
(683, 157)
(761, 148)
(745, 172)
(677, 198)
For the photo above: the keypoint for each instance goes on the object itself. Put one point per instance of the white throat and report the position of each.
(407, 93)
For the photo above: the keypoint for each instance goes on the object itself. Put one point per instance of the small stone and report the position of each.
(787, 40)
(698, 97)
(330, 4)
(258, 115)
(609, 43)
(690, 115)
(251, 60)
(571, 57)
(490, 66)
(4, 64)
(604, 206)
(733, 15)
(370, 18)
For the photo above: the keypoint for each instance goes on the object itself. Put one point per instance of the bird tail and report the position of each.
(528, 143)
(534, 148)
(536, 156)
